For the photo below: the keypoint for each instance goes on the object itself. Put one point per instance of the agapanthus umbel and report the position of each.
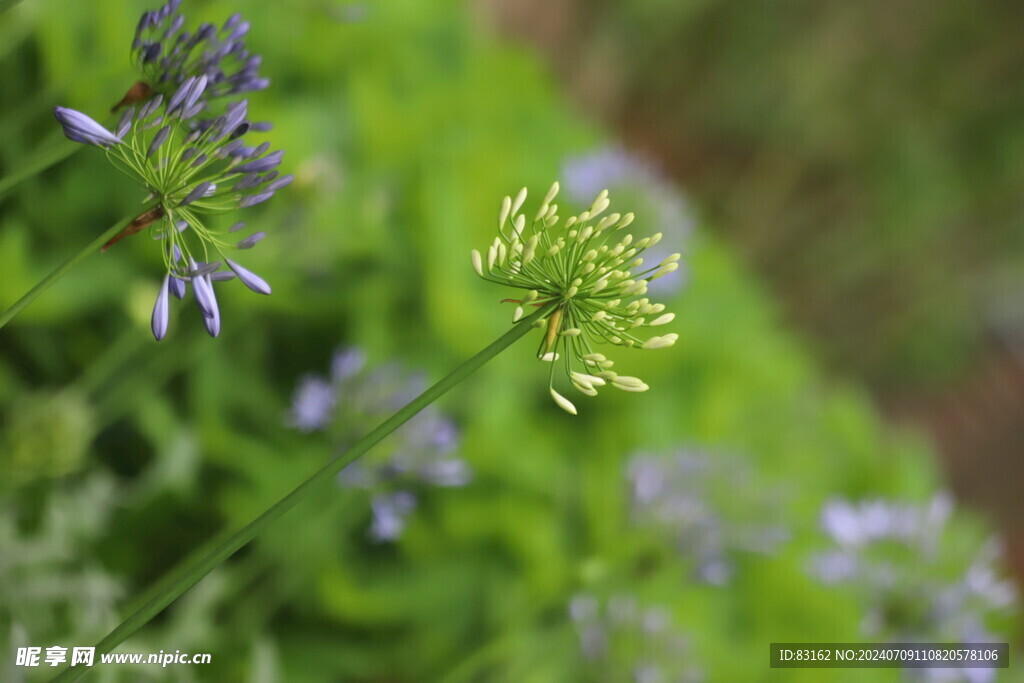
(689, 495)
(591, 271)
(915, 576)
(421, 455)
(621, 640)
(191, 172)
(167, 56)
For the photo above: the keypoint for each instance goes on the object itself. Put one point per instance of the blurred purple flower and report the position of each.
(312, 404)
(418, 456)
(620, 640)
(390, 511)
(613, 168)
(914, 584)
(690, 495)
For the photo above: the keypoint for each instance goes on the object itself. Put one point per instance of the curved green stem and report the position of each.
(62, 269)
(192, 574)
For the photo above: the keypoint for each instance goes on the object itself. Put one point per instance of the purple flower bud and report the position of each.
(261, 126)
(125, 124)
(223, 51)
(80, 128)
(249, 278)
(240, 32)
(267, 163)
(205, 298)
(197, 192)
(200, 160)
(150, 107)
(232, 120)
(151, 53)
(177, 287)
(248, 182)
(243, 152)
(281, 182)
(195, 92)
(161, 315)
(236, 227)
(175, 25)
(240, 130)
(206, 31)
(143, 24)
(251, 241)
(179, 95)
(253, 200)
(192, 111)
(158, 139)
(232, 22)
(230, 148)
(212, 325)
(222, 276)
(204, 269)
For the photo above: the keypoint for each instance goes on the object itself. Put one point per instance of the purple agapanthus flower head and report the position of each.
(191, 169)
(909, 570)
(690, 496)
(621, 639)
(421, 455)
(313, 404)
(167, 55)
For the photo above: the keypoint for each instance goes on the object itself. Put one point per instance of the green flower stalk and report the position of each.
(592, 275)
(196, 568)
(581, 281)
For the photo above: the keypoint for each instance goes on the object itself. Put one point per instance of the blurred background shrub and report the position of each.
(677, 531)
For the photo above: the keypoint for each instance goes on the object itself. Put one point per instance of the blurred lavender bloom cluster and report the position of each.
(612, 167)
(420, 455)
(692, 496)
(621, 640)
(918, 584)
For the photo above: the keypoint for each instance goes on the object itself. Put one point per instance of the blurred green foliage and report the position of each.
(404, 129)
(867, 153)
